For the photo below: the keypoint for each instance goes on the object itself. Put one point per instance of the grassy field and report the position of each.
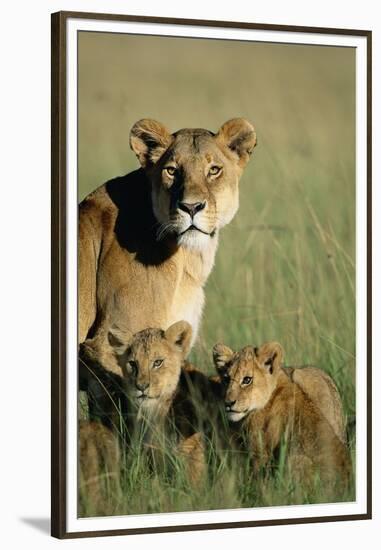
(285, 268)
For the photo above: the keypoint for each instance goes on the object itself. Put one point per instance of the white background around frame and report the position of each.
(75, 524)
(25, 273)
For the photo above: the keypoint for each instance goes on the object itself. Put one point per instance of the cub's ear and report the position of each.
(222, 355)
(239, 135)
(119, 341)
(149, 139)
(180, 334)
(270, 355)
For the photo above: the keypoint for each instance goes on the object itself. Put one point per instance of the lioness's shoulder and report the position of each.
(96, 212)
(124, 198)
(96, 201)
(118, 192)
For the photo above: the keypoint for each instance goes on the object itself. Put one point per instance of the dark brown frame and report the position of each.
(58, 233)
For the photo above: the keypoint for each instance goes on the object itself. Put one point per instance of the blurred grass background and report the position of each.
(285, 268)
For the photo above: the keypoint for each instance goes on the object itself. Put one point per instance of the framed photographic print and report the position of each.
(211, 303)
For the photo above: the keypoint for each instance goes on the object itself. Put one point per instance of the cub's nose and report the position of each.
(142, 386)
(229, 404)
(192, 208)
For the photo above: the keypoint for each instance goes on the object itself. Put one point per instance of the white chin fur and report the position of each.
(235, 416)
(194, 240)
(148, 406)
(227, 217)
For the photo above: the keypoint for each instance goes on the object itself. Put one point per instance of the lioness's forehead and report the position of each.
(192, 133)
(244, 359)
(194, 142)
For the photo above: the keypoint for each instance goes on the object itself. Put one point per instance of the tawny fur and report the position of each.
(267, 408)
(167, 394)
(99, 468)
(137, 265)
(322, 391)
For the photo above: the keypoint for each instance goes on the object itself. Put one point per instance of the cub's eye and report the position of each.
(170, 171)
(157, 364)
(214, 170)
(247, 380)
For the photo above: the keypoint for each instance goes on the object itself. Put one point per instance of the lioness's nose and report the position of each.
(192, 208)
(142, 385)
(229, 404)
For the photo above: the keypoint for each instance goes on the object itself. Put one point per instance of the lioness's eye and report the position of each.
(157, 364)
(226, 379)
(247, 380)
(170, 170)
(214, 170)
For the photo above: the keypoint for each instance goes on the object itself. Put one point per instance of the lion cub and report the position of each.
(165, 393)
(270, 409)
(99, 469)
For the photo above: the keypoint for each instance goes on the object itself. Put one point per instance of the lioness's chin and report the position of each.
(194, 240)
(236, 416)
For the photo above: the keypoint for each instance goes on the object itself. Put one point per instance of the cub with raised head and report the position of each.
(166, 395)
(269, 410)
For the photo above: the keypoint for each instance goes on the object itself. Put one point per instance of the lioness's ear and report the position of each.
(148, 140)
(180, 334)
(222, 355)
(239, 135)
(270, 355)
(118, 340)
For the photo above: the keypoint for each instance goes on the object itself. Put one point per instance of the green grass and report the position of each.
(285, 268)
(153, 479)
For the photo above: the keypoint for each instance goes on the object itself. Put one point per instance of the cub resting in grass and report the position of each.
(167, 395)
(270, 409)
(99, 469)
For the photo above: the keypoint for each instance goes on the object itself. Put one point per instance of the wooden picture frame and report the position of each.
(62, 180)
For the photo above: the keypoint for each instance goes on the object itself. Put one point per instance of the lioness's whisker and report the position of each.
(163, 230)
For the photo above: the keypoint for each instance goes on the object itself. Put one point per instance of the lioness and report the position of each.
(271, 410)
(147, 240)
(168, 396)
